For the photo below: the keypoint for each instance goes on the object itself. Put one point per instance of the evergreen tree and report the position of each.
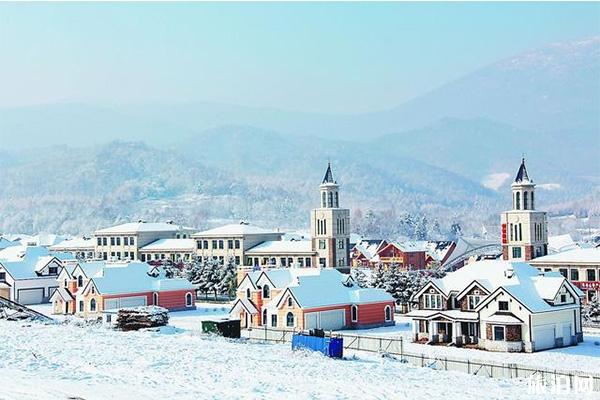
(421, 229)
(359, 277)
(228, 278)
(393, 281)
(592, 310)
(377, 277)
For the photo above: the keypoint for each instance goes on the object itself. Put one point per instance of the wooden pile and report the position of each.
(134, 318)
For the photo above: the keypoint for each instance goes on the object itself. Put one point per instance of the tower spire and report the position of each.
(328, 178)
(522, 173)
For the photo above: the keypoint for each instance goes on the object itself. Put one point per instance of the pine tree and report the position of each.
(228, 278)
(393, 281)
(377, 277)
(359, 277)
(592, 310)
(421, 229)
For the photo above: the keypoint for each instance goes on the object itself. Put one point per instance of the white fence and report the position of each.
(491, 369)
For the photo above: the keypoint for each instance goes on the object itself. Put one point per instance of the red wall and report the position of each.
(373, 313)
(170, 300)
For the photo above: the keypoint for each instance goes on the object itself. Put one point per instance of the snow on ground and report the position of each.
(583, 357)
(93, 362)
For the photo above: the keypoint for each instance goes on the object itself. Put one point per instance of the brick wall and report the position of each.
(513, 333)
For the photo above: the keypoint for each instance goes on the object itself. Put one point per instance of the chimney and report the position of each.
(509, 272)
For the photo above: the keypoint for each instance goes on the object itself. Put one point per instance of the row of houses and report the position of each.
(406, 254)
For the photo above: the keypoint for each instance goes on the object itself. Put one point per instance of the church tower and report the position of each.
(524, 230)
(330, 226)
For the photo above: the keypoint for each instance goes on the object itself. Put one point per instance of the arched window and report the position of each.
(264, 317)
(525, 200)
(336, 200)
(518, 201)
(388, 313)
(290, 302)
(93, 305)
(80, 281)
(189, 301)
(266, 292)
(330, 200)
(532, 204)
(324, 199)
(155, 298)
(354, 313)
(248, 293)
(289, 320)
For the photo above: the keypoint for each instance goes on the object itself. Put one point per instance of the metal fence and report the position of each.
(395, 347)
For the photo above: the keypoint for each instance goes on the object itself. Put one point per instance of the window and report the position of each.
(155, 298)
(322, 262)
(126, 241)
(93, 305)
(289, 320)
(80, 281)
(266, 291)
(214, 244)
(503, 305)
(520, 231)
(189, 301)
(92, 290)
(248, 293)
(516, 252)
(104, 241)
(518, 201)
(52, 270)
(324, 199)
(112, 241)
(563, 298)
(307, 262)
(433, 301)
(563, 272)
(354, 313)
(131, 241)
(274, 320)
(80, 305)
(330, 199)
(237, 244)
(237, 260)
(221, 244)
(388, 313)
(337, 200)
(532, 205)
(473, 301)
(498, 333)
(65, 284)
(264, 317)
(199, 244)
(321, 244)
(205, 244)
(118, 241)
(230, 244)
(290, 302)
(340, 243)
(591, 274)
(99, 241)
(574, 274)
(511, 233)
(283, 261)
(525, 200)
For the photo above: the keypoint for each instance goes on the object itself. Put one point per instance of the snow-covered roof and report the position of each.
(244, 303)
(4, 243)
(42, 239)
(438, 250)
(521, 280)
(327, 288)
(503, 319)
(282, 247)
(24, 262)
(411, 246)
(453, 314)
(91, 268)
(141, 226)
(170, 245)
(368, 248)
(576, 256)
(78, 243)
(132, 277)
(241, 229)
(63, 293)
(560, 243)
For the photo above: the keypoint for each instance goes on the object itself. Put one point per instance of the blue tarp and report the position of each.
(331, 347)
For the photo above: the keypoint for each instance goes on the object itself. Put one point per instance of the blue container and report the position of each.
(331, 347)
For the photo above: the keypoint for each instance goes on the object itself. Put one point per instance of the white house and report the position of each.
(499, 306)
(28, 274)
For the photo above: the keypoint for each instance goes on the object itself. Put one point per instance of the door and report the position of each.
(332, 320)
(311, 320)
(566, 335)
(30, 296)
(544, 337)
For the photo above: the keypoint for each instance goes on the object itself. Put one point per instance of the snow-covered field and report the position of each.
(91, 362)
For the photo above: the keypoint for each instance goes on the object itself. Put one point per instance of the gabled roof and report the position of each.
(90, 268)
(141, 226)
(25, 262)
(4, 243)
(62, 293)
(122, 278)
(522, 176)
(246, 304)
(522, 281)
(241, 229)
(328, 178)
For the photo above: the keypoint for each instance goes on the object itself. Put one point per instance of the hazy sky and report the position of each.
(313, 57)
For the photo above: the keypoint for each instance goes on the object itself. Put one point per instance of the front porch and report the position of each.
(442, 330)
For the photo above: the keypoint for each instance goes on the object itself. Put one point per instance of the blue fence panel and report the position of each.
(331, 347)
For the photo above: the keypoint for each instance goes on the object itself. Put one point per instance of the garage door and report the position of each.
(327, 320)
(543, 337)
(121, 302)
(30, 296)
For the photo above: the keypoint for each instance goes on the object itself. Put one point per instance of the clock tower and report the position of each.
(330, 226)
(524, 230)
